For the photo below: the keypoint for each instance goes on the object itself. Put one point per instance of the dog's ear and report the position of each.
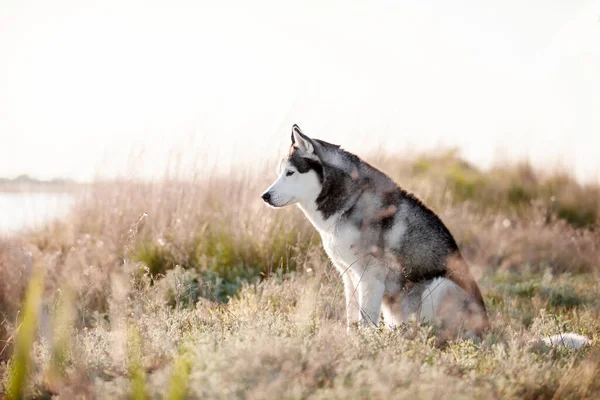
(301, 141)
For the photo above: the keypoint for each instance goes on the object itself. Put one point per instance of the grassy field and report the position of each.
(178, 289)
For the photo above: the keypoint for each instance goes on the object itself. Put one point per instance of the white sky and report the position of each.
(83, 83)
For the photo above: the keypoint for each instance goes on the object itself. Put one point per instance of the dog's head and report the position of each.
(300, 173)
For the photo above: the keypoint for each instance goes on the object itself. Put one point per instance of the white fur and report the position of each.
(434, 293)
(363, 275)
(570, 339)
(293, 189)
(302, 144)
(309, 208)
(396, 233)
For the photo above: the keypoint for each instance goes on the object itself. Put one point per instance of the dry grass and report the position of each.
(171, 289)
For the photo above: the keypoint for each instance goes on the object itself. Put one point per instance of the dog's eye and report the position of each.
(289, 173)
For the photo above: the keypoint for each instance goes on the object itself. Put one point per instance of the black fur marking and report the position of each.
(336, 188)
(422, 276)
(419, 275)
(434, 222)
(426, 244)
(422, 259)
(303, 165)
(334, 192)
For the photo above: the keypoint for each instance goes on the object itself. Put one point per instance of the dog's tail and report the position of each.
(570, 340)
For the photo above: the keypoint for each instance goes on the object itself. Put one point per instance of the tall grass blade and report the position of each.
(136, 370)
(21, 359)
(179, 378)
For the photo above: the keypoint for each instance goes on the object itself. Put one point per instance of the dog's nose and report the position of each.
(266, 196)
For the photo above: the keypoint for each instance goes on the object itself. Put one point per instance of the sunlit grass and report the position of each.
(197, 290)
(136, 368)
(180, 376)
(20, 364)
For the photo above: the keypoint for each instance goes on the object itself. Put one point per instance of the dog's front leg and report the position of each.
(371, 288)
(352, 306)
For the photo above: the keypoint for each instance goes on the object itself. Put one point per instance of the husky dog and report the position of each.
(393, 253)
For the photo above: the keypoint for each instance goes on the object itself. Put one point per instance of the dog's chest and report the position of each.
(341, 245)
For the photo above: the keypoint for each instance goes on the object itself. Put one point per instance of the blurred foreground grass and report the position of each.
(196, 289)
